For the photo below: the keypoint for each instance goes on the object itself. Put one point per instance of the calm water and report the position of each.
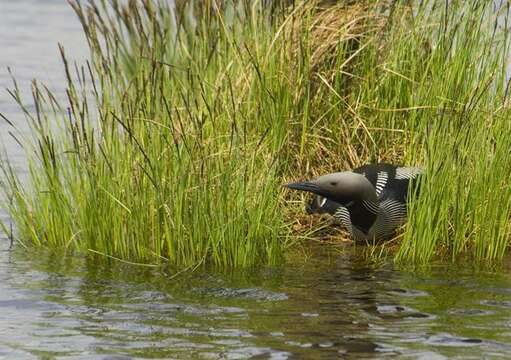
(331, 306)
(30, 31)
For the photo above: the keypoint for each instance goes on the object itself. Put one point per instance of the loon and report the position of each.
(369, 201)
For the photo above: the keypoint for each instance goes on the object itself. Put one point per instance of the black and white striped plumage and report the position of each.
(373, 204)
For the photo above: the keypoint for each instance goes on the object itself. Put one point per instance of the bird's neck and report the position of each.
(363, 214)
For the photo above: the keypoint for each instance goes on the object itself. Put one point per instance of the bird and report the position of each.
(369, 201)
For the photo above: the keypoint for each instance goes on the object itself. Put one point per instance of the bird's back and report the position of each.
(390, 181)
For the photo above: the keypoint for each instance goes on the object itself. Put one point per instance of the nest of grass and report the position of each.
(321, 31)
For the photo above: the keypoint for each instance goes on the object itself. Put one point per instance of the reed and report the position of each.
(171, 159)
(178, 134)
(462, 135)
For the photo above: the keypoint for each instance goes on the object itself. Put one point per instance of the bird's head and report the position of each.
(342, 187)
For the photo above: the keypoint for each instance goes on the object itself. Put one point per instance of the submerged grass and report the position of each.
(177, 135)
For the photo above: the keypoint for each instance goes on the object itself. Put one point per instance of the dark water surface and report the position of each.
(331, 306)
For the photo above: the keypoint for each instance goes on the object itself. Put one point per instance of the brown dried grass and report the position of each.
(329, 29)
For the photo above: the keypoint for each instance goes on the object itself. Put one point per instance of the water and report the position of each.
(30, 31)
(331, 306)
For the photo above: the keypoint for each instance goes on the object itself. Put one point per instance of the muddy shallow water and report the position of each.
(331, 306)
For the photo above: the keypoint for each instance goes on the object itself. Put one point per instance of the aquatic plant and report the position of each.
(456, 90)
(171, 157)
(179, 132)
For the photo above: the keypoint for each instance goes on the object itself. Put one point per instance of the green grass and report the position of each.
(177, 136)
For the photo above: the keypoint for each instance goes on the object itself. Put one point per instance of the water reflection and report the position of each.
(68, 307)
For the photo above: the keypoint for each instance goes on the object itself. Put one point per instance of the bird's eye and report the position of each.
(333, 183)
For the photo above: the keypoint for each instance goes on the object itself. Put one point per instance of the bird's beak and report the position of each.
(304, 186)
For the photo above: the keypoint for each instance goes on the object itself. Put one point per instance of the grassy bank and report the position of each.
(177, 136)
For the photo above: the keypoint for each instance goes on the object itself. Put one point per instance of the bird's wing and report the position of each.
(410, 172)
(392, 214)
